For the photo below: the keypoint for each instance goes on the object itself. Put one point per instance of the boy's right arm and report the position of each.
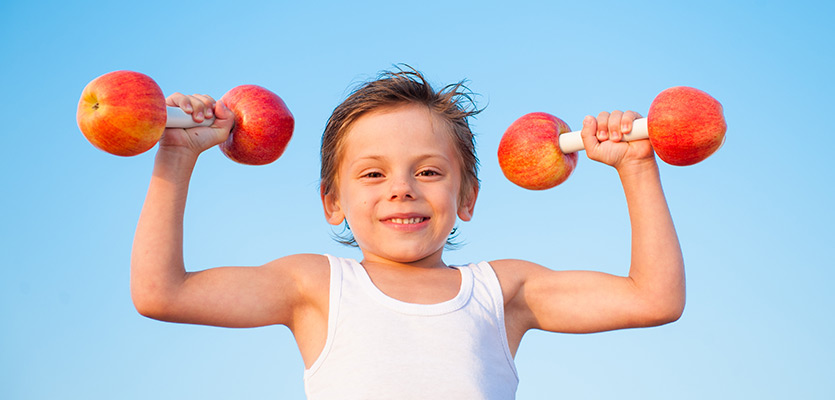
(276, 293)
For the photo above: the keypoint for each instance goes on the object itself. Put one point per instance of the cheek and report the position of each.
(452, 200)
(356, 203)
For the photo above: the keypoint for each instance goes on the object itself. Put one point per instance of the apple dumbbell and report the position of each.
(124, 113)
(530, 155)
(684, 126)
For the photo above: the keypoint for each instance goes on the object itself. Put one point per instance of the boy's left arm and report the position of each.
(584, 301)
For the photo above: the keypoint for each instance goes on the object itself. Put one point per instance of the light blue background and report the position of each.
(755, 220)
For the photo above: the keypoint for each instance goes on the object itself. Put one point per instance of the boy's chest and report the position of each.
(417, 287)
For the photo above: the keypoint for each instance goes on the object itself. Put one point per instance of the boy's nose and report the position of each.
(402, 189)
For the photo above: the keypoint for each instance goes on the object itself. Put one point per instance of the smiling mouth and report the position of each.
(407, 221)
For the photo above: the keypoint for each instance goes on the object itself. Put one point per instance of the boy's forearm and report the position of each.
(657, 265)
(157, 257)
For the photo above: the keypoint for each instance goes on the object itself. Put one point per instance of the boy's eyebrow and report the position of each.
(374, 157)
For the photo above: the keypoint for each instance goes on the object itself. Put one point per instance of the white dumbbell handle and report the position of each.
(572, 142)
(177, 118)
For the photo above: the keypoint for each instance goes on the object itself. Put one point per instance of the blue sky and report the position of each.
(754, 219)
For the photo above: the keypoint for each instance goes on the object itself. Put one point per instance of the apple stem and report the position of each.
(572, 142)
(177, 118)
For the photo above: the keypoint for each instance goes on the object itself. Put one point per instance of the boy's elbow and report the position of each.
(662, 304)
(144, 307)
(664, 312)
(671, 315)
(148, 304)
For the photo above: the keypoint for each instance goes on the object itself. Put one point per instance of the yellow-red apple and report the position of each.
(122, 113)
(686, 125)
(263, 125)
(530, 155)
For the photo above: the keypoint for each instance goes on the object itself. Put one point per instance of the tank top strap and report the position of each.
(337, 271)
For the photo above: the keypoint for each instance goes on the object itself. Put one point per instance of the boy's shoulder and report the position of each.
(513, 273)
(301, 260)
(309, 271)
(514, 269)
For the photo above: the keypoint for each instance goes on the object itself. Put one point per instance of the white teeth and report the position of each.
(407, 221)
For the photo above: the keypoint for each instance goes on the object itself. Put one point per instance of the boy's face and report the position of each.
(398, 185)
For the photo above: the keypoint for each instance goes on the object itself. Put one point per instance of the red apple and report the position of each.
(530, 155)
(122, 113)
(263, 125)
(686, 125)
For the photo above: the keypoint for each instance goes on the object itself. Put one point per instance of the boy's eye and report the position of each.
(428, 172)
(373, 175)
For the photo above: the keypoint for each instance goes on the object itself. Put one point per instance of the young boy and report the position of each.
(399, 168)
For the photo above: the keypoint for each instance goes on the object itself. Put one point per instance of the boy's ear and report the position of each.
(333, 209)
(467, 206)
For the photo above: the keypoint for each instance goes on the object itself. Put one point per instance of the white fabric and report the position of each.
(382, 348)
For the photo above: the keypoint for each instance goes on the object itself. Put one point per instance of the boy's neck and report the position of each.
(433, 261)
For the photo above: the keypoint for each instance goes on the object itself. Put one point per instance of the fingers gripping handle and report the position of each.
(177, 118)
(572, 141)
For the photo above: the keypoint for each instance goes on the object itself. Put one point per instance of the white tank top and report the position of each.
(381, 348)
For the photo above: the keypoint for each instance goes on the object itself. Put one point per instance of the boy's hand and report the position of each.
(196, 140)
(602, 140)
